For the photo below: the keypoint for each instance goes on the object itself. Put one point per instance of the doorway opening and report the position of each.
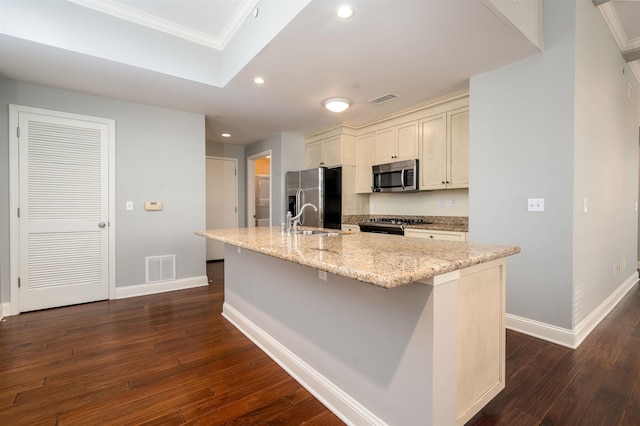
(259, 190)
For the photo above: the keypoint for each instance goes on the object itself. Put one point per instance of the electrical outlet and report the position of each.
(322, 275)
(535, 204)
(441, 203)
(453, 202)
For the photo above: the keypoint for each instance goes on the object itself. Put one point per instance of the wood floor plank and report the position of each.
(630, 417)
(250, 408)
(172, 359)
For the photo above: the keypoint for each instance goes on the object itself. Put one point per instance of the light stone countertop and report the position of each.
(383, 260)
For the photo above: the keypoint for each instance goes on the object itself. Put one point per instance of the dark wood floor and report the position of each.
(166, 359)
(597, 384)
(172, 359)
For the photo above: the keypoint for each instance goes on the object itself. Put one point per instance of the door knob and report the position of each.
(102, 225)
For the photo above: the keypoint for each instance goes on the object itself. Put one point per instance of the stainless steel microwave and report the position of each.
(400, 176)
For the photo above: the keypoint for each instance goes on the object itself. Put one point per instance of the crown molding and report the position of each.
(147, 20)
(619, 34)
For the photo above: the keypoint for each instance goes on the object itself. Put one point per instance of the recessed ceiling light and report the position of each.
(258, 80)
(345, 12)
(336, 104)
(226, 135)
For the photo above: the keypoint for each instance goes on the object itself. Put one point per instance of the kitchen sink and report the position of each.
(318, 233)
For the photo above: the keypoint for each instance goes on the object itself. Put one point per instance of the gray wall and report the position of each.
(159, 156)
(538, 130)
(287, 154)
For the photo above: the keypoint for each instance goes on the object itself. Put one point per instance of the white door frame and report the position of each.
(14, 197)
(251, 188)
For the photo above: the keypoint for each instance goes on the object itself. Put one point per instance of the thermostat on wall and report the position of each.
(153, 205)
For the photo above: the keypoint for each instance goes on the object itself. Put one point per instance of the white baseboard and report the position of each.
(571, 338)
(586, 326)
(4, 310)
(160, 287)
(335, 399)
(540, 330)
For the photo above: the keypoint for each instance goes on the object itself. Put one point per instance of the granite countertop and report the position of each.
(383, 260)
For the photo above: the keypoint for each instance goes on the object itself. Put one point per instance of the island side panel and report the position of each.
(481, 336)
(366, 352)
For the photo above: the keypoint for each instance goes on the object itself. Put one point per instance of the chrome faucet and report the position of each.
(296, 218)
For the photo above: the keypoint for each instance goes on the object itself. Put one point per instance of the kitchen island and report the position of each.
(382, 329)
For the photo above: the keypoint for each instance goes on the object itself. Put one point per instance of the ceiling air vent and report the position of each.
(384, 98)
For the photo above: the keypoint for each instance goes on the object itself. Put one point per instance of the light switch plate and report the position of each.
(129, 205)
(535, 204)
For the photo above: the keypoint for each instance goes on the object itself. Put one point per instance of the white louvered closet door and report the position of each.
(64, 245)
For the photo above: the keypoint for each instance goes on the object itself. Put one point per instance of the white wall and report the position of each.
(538, 130)
(159, 156)
(452, 202)
(606, 164)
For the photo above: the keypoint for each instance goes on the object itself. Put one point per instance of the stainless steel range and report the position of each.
(388, 225)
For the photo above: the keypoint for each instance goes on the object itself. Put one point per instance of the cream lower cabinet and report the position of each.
(350, 228)
(444, 150)
(436, 235)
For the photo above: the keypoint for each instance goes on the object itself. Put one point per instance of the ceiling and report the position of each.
(201, 56)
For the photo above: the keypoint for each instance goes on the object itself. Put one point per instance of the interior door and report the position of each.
(63, 210)
(222, 200)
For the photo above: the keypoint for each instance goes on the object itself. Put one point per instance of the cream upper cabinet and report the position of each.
(444, 146)
(396, 143)
(433, 158)
(364, 161)
(330, 152)
(458, 135)
(313, 153)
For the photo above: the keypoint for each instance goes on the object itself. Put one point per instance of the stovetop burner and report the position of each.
(389, 225)
(395, 221)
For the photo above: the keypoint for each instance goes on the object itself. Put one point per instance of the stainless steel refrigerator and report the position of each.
(321, 187)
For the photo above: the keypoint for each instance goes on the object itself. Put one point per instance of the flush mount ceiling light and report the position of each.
(226, 135)
(336, 104)
(258, 80)
(345, 12)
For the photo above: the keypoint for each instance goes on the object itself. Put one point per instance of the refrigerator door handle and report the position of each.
(298, 204)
